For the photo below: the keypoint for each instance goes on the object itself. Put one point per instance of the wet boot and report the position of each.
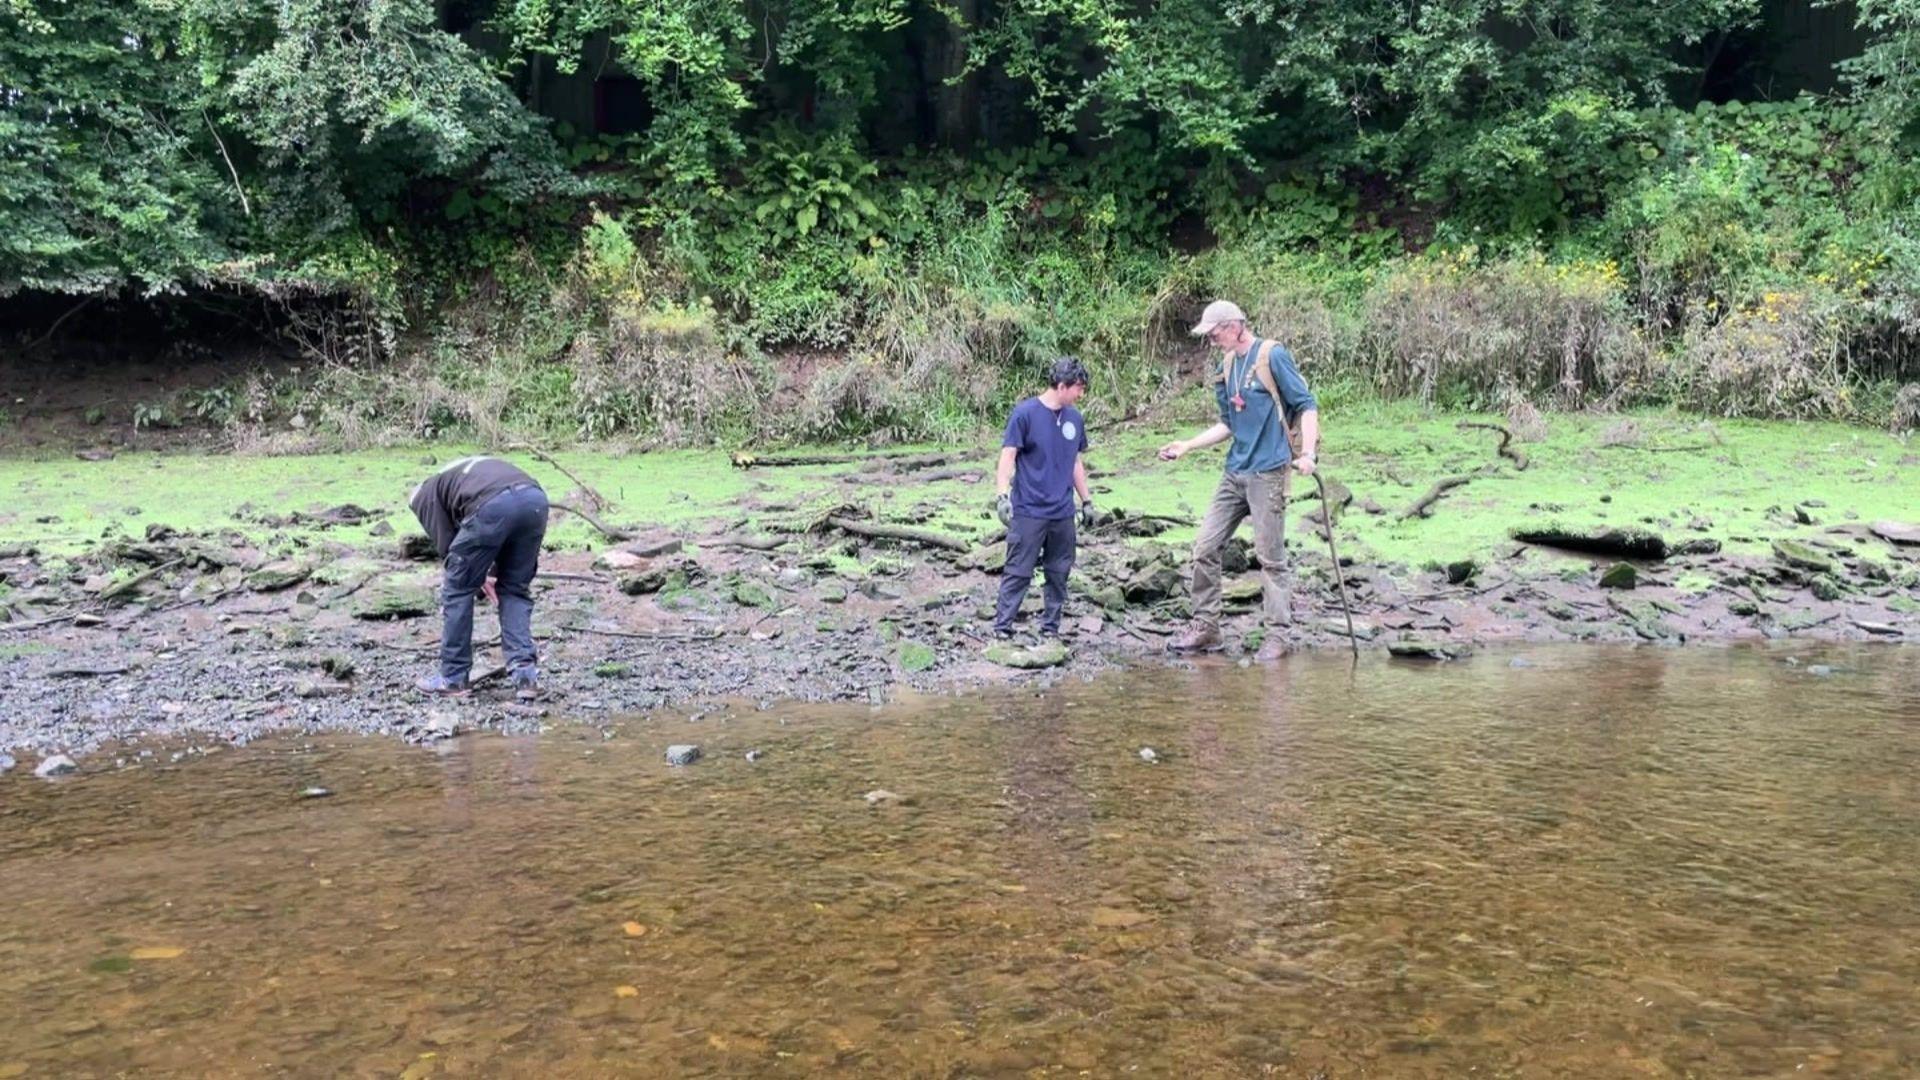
(1273, 648)
(1198, 637)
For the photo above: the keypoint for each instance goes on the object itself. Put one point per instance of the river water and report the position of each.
(1556, 862)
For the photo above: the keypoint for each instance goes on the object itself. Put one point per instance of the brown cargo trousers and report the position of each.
(1262, 497)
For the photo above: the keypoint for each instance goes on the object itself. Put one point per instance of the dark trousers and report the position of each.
(505, 533)
(1029, 541)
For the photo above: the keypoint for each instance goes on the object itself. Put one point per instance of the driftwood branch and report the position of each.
(114, 592)
(873, 531)
(595, 500)
(1425, 503)
(1506, 449)
(645, 635)
(587, 516)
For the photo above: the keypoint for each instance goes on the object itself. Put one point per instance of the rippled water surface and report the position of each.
(1609, 863)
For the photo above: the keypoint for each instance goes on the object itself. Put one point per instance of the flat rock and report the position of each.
(275, 576)
(1044, 655)
(393, 600)
(1897, 532)
(1427, 649)
(682, 754)
(54, 765)
(1801, 556)
(617, 559)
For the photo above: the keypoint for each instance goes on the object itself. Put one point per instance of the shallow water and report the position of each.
(1610, 863)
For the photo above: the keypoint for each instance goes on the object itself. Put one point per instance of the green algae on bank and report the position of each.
(1742, 482)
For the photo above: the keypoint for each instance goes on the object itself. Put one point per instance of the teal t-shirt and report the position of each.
(1259, 441)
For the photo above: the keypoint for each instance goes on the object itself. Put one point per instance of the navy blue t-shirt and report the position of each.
(1048, 443)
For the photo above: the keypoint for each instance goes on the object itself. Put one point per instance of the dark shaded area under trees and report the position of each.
(663, 180)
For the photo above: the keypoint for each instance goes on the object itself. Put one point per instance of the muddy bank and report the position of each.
(274, 624)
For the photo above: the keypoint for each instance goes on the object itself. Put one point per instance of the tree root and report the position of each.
(1424, 504)
(1506, 449)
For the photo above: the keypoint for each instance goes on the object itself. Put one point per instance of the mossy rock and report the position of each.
(643, 582)
(1241, 592)
(394, 600)
(1824, 587)
(1620, 576)
(1427, 649)
(1621, 543)
(751, 594)
(275, 576)
(915, 657)
(1801, 556)
(1461, 571)
(1044, 655)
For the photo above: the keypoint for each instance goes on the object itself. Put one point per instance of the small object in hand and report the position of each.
(1003, 509)
(1089, 515)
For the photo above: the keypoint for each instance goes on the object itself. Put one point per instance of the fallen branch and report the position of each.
(898, 462)
(561, 575)
(899, 532)
(1425, 502)
(48, 621)
(594, 499)
(1506, 449)
(750, 543)
(115, 591)
(645, 635)
(1658, 449)
(588, 517)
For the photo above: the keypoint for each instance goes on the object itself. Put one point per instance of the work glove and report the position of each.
(1089, 515)
(1003, 509)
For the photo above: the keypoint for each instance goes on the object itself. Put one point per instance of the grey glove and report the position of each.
(1089, 515)
(1003, 509)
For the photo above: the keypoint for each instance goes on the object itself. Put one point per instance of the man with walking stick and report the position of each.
(1260, 395)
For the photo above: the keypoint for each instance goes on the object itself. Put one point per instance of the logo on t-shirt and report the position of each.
(1067, 430)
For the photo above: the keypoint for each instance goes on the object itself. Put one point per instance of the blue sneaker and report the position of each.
(440, 686)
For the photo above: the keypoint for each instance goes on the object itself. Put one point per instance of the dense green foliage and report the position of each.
(906, 204)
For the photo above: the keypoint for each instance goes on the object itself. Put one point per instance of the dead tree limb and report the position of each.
(874, 531)
(1425, 503)
(595, 500)
(114, 592)
(587, 516)
(1507, 449)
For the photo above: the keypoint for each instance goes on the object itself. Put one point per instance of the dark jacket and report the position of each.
(451, 495)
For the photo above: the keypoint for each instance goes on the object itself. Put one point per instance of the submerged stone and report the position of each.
(1427, 649)
(54, 765)
(683, 754)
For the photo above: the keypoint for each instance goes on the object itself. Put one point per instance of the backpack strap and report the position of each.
(1263, 367)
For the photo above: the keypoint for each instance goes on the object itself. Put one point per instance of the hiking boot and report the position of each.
(1004, 633)
(439, 685)
(526, 686)
(1275, 647)
(1197, 638)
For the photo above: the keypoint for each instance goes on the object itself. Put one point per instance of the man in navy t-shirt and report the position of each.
(1040, 470)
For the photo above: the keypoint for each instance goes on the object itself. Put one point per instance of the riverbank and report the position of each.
(221, 597)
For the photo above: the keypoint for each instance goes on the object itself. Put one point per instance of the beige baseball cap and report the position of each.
(1218, 312)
